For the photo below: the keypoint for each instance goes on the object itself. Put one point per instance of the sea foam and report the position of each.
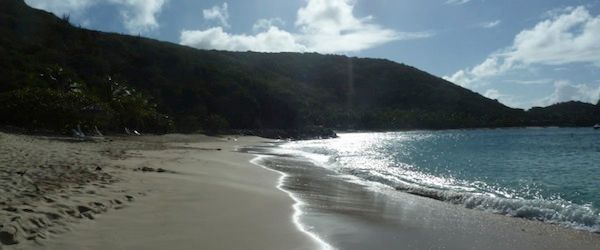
(368, 162)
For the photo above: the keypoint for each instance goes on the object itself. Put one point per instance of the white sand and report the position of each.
(47, 184)
(216, 200)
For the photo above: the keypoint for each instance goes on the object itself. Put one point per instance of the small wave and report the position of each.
(560, 212)
(474, 195)
(319, 156)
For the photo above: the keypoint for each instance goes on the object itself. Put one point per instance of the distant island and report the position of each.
(56, 77)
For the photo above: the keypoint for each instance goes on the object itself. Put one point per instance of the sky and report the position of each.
(522, 53)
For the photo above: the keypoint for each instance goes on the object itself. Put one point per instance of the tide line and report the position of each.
(297, 204)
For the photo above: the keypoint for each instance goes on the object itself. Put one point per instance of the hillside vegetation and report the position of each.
(55, 76)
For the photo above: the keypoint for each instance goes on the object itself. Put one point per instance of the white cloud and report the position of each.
(565, 91)
(457, 2)
(265, 24)
(506, 99)
(562, 91)
(473, 77)
(493, 94)
(271, 40)
(557, 12)
(326, 26)
(490, 24)
(570, 37)
(530, 82)
(138, 15)
(219, 13)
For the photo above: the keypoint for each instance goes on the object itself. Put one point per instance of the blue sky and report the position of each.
(523, 53)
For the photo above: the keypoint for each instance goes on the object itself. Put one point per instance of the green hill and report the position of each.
(571, 113)
(55, 75)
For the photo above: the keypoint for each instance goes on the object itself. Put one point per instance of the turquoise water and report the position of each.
(545, 174)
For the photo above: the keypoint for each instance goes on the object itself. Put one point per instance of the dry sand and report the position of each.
(49, 183)
(198, 194)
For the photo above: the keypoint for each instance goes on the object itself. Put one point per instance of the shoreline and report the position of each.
(353, 216)
(297, 206)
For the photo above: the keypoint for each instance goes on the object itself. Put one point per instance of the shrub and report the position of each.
(43, 108)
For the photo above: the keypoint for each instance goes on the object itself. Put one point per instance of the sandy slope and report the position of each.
(205, 199)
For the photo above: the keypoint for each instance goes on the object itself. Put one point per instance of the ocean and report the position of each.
(550, 175)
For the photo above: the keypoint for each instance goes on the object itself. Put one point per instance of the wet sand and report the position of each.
(353, 216)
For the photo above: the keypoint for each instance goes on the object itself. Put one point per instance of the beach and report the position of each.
(229, 192)
(190, 196)
(49, 183)
(312, 124)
